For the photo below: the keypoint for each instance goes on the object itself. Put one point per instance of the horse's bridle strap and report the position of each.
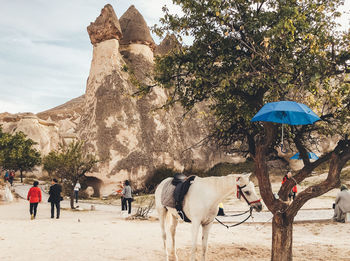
(239, 191)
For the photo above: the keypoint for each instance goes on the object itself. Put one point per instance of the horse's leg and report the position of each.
(205, 234)
(195, 230)
(173, 231)
(162, 211)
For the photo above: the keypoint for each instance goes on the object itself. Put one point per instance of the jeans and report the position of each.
(124, 206)
(32, 208)
(57, 204)
(76, 194)
(129, 200)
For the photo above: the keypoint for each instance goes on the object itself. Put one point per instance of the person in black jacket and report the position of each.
(55, 198)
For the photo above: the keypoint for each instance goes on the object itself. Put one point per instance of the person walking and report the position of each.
(34, 197)
(55, 198)
(77, 187)
(127, 195)
(342, 204)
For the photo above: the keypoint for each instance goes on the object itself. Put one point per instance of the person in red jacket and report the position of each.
(34, 197)
(294, 190)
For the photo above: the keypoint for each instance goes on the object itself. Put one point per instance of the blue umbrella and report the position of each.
(310, 154)
(288, 112)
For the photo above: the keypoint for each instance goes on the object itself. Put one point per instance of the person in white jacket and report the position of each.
(342, 204)
(77, 187)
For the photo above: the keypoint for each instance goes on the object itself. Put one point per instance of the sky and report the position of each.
(45, 50)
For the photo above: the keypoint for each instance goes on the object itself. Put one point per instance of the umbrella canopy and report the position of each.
(288, 112)
(310, 154)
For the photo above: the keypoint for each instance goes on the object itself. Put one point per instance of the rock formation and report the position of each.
(168, 44)
(105, 27)
(132, 137)
(45, 133)
(135, 29)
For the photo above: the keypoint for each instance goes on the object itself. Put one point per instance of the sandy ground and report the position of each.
(104, 235)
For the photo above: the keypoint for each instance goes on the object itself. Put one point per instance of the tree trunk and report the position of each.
(282, 238)
(21, 176)
(72, 201)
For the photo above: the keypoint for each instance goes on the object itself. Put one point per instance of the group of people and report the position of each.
(35, 197)
(9, 176)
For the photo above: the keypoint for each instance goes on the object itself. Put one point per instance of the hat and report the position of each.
(343, 187)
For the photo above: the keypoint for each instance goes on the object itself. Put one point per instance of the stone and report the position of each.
(135, 29)
(105, 27)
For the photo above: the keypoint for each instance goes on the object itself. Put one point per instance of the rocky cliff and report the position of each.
(129, 133)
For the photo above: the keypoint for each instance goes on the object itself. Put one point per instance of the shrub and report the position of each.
(156, 177)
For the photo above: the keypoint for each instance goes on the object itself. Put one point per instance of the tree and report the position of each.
(70, 163)
(4, 141)
(247, 53)
(17, 152)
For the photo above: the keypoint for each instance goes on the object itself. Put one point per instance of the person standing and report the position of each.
(294, 190)
(77, 187)
(34, 197)
(119, 191)
(342, 204)
(7, 176)
(221, 210)
(127, 195)
(55, 198)
(12, 177)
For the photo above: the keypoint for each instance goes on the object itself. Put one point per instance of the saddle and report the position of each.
(182, 184)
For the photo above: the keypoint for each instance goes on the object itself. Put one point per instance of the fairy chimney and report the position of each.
(104, 34)
(169, 44)
(105, 27)
(136, 34)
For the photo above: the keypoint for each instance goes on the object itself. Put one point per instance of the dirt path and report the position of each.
(104, 235)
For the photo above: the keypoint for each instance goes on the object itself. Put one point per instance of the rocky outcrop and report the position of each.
(135, 29)
(45, 133)
(129, 133)
(105, 27)
(168, 44)
(49, 128)
(66, 117)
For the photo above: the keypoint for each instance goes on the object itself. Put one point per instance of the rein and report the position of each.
(240, 193)
(241, 222)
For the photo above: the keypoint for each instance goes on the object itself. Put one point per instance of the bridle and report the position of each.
(241, 193)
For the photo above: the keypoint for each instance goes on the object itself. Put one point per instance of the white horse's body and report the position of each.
(201, 207)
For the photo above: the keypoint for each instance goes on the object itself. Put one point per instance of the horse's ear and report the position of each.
(248, 175)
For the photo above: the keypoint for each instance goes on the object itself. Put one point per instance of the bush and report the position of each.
(223, 169)
(156, 177)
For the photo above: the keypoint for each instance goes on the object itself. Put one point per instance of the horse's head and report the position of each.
(246, 189)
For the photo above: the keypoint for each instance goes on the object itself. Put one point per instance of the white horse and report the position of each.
(201, 206)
